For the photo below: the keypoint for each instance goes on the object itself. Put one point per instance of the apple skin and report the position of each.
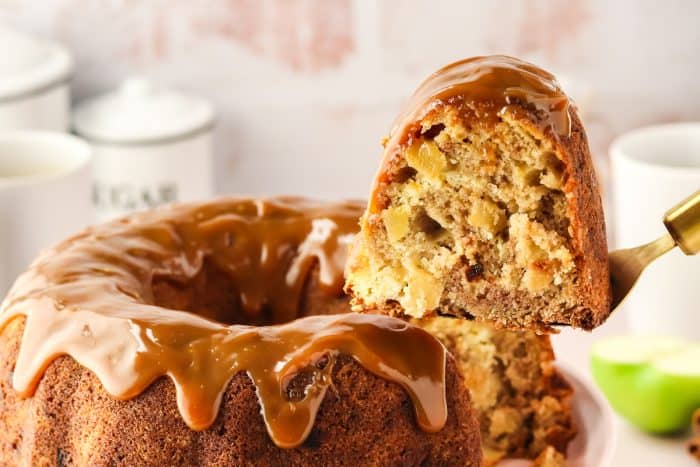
(655, 401)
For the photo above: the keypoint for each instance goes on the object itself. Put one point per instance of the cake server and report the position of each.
(683, 225)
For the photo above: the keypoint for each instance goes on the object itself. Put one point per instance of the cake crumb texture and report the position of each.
(523, 402)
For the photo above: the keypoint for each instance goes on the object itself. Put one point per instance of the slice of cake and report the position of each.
(522, 402)
(486, 205)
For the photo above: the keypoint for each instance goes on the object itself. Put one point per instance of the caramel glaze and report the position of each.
(482, 89)
(91, 297)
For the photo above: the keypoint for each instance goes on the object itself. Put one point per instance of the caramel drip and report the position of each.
(489, 87)
(91, 297)
(483, 89)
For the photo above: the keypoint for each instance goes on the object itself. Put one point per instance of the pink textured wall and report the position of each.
(306, 88)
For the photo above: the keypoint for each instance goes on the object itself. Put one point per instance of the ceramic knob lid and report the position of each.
(142, 112)
(29, 65)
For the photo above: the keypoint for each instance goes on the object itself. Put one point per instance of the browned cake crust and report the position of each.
(452, 121)
(587, 227)
(364, 420)
(694, 443)
(694, 447)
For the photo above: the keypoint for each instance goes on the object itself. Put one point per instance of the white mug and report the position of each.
(653, 169)
(45, 181)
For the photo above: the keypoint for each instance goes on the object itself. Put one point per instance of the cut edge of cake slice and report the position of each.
(486, 205)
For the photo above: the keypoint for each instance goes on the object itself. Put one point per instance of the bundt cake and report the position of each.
(180, 337)
(486, 205)
(522, 401)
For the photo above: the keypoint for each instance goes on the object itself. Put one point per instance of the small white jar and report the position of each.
(34, 75)
(151, 146)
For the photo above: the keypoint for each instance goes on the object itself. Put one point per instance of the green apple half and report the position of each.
(654, 382)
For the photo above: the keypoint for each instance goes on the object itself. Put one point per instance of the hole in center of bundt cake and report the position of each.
(214, 294)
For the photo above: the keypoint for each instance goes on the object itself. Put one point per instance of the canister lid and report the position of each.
(29, 64)
(141, 112)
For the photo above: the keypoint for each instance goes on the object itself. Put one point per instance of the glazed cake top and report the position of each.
(91, 297)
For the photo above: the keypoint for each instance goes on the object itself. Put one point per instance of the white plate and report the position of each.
(594, 445)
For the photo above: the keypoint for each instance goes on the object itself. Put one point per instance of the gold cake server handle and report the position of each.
(683, 225)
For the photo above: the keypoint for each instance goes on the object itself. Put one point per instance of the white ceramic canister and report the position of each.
(34, 75)
(151, 146)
